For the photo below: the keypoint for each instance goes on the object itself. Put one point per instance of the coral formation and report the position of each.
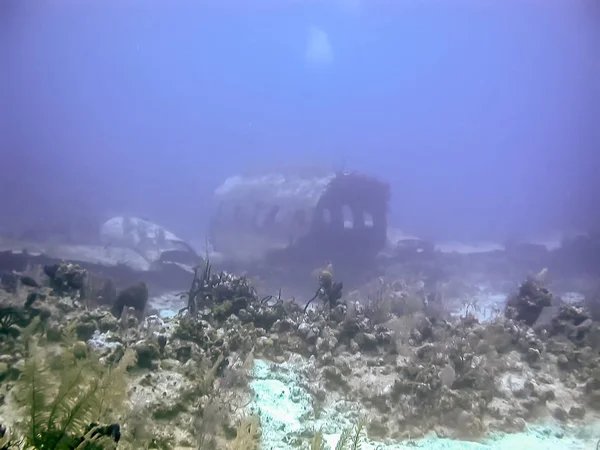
(86, 379)
(66, 278)
(75, 375)
(62, 407)
(528, 303)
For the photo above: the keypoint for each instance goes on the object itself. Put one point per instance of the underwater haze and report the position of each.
(482, 116)
(300, 224)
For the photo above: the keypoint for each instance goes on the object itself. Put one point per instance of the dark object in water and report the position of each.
(9, 282)
(329, 291)
(8, 444)
(32, 297)
(304, 220)
(107, 294)
(51, 270)
(528, 303)
(546, 318)
(101, 290)
(135, 296)
(66, 277)
(10, 315)
(112, 431)
(219, 289)
(28, 281)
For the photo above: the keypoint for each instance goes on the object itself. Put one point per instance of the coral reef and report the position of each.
(528, 303)
(88, 380)
(392, 362)
(62, 408)
(66, 278)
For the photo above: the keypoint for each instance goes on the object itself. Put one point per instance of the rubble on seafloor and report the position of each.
(202, 371)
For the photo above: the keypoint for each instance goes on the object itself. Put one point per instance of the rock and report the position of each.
(3, 370)
(162, 341)
(326, 359)
(326, 345)
(265, 317)
(562, 361)
(527, 304)
(546, 395)
(54, 333)
(129, 318)
(80, 349)
(515, 424)
(9, 282)
(28, 281)
(135, 296)
(384, 336)
(85, 330)
(335, 378)
(426, 351)
(468, 423)
(183, 353)
(105, 293)
(338, 314)
(447, 376)
(283, 325)
(245, 316)
(533, 355)
(303, 330)
(311, 337)
(65, 304)
(66, 278)
(108, 322)
(573, 322)
(560, 414)
(512, 385)
(593, 399)
(148, 354)
(366, 341)
(32, 298)
(577, 412)
(170, 364)
(423, 326)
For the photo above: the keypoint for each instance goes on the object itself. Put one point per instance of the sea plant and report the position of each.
(247, 434)
(63, 410)
(219, 289)
(351, 438)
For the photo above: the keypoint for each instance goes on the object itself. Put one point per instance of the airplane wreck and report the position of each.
(339, 218)
(279, 221)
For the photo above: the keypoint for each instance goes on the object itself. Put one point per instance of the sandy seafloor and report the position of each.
(285, 410)
(285, 407)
